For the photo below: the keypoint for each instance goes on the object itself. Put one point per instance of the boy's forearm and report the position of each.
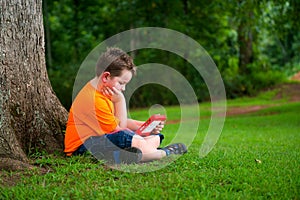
(134, 124)
(121, 113)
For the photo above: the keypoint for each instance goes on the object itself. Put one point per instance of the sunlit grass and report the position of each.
(256, 157)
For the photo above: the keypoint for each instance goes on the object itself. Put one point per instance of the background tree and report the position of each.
(31, 117)
(253, 43)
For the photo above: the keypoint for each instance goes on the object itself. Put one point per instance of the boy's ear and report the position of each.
(105, 76)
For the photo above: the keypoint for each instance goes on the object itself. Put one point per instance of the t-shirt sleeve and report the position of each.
(105, 115)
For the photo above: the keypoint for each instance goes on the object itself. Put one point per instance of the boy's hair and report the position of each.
(114, 61)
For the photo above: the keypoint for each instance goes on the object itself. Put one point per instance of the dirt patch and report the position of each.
(290, 91)
(244, 110)
(296, 77)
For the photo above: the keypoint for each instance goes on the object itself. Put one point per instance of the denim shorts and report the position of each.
(109, 142)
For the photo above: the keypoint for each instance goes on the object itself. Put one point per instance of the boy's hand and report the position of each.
(113, 93)
(158, 128)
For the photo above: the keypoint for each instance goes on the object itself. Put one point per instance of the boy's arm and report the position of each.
(119, 102)
(121, 113)
(134, 124)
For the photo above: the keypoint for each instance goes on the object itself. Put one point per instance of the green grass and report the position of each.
(256, 157)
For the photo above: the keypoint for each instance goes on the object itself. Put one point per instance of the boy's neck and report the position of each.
(95, 82)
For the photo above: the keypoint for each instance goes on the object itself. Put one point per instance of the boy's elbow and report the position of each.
(123, 125)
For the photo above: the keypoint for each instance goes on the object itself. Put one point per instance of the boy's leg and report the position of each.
(100, 147)
(153, 140)
(116, 142)
(80, 151)
(148, 146)
(113, 147)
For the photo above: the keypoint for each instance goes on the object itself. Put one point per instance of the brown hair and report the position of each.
(114, 61)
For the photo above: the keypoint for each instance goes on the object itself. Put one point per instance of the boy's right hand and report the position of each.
(113, 93)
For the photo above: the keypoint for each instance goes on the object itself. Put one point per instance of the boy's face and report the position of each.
(119, 82)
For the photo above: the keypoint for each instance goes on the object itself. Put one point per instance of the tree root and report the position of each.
(9, 164)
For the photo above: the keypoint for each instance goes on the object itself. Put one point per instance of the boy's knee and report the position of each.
(148, 144)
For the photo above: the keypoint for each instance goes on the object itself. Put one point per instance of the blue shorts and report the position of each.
(109, 142)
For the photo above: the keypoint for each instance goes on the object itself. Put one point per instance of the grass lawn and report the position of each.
(257, 157)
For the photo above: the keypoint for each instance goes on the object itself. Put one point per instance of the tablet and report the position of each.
(150, 124)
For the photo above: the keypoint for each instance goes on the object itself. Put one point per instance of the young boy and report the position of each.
(98, 117)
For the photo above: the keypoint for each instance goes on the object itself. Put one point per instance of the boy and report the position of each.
(98, 117)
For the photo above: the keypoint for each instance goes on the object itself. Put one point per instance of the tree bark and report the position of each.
(31, 116)
(245, 40)
(245, 49)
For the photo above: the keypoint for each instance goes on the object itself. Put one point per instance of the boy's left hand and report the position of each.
(158, 128)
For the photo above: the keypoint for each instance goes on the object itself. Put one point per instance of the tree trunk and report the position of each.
(245, 40)
(31, 116)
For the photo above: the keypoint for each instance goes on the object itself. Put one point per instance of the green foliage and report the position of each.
(152, 94)
(223, 28)
(257, 80)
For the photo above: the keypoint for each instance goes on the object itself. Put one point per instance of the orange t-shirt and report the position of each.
(91, 114)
